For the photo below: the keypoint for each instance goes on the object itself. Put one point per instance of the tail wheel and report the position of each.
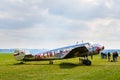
(21, 62)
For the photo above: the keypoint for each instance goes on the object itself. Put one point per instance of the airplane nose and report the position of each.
(98, 49)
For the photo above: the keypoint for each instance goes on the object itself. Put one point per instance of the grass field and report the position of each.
(68, 69)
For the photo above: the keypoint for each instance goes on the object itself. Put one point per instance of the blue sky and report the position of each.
(56, 23)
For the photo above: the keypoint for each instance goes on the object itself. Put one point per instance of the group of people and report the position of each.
(108, 55)
(114, 56)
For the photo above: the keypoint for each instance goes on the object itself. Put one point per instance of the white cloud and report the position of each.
(49, 24)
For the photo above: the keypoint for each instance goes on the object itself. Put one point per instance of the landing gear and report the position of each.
(85, 61)
(50, 62)
(21, 62)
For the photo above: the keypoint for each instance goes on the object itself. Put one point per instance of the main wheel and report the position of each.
(87, 62)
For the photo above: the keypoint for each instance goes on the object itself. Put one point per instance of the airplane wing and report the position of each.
(77, 52)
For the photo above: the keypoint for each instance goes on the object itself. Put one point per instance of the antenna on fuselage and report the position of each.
(82, 41)
(77, 42)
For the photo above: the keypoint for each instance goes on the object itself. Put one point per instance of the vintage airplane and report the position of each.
(77, 50)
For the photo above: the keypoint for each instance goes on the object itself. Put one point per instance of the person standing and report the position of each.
(115, 55)
(109, 55)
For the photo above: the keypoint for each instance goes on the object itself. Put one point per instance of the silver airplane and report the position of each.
(78, 50)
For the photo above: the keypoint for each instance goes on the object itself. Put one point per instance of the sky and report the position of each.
(56, 23)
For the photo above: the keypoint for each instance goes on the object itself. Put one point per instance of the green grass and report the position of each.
(68, 69)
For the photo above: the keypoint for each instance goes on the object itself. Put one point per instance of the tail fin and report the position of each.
(19, 54)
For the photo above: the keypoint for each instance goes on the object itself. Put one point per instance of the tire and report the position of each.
(87, 62)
